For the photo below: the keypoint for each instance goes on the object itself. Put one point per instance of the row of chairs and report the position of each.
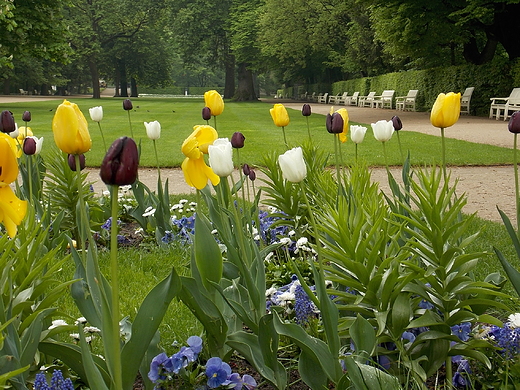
(403, 103)
(385, 100)
(505, 106)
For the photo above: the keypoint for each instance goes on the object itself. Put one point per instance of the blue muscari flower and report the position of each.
(508, 339)
(122, 239)
(462, 331)
(57, 382)
(217, 372)
(108, 224)
(303, 306)
(40, 382)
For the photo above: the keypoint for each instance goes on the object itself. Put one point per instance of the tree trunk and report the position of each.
(94, 73)
(117, 80)
(124, 81)
(229, 86)
(133, 88)
(7, 86)
(507, 29)
(474, 56)
(246, 89)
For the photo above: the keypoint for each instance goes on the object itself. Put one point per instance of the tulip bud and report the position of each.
(206, 113)
(334, 123)
(514, 123)
(29, 146)
(72, 162)
(127, 105)
(252, 175)
(396, 122)
(237, 140)
(213, 100)
(26, 116)
(7, 124)
(279, 115)
(246, 169)
(306, 110)
(119, 167)
(153, 130)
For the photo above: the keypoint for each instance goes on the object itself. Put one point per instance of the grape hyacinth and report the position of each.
(57, 382)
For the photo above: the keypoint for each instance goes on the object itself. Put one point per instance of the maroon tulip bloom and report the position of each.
(237, 140)
(206, 113)
(127, 105)
(26, 116)
(29, 146)
(7, 124)
(306, 110)
(514, 123)
(252, 175)
(119, 167)
(396, 121)
(334, 123)
(246, 169)
(72, 162)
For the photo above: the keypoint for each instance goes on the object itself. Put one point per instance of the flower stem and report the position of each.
(103, 136)
(515, 159)
(285, 138)
(84, 223)
(400, 147)
(157, 160)
(29, 174)
(114, 282)
(337, 153)
(215, 122)
(443, 155)
(386, 158)
(308, 127)
(130, 123)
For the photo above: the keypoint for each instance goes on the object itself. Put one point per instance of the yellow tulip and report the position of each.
(279, 115)
(24, 132)
(12, 209)
(196, 172)
(213, 100)
(344, 114)
(445, 110)
(70, 129)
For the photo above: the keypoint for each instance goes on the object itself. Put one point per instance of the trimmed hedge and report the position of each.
(178, 90)
(494, 79)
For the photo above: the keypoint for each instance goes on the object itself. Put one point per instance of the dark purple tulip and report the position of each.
(246, 169)
(72, 162)
(514, 123)
(7, 124)
(127, 105)
(334, 123)
(306, 110)
(29, 146)
(26, 116)
(119, 167)
(206, 113)
(396, 121)
(237, 140)
(252, 175)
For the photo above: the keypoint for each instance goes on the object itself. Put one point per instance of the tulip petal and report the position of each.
(205, 135)
(197, 173)
(8, 162)
(12, 210)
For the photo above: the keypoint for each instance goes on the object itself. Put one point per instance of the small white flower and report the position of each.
(514, 320)
(285, 241)
(139, 231)
(256, 238)
(269, 256)
(81, 320)
(272, 209)
(302, 241)
(91, 329)
(192, 204)
(106, 193)
(183, 201)
(57, 323)
(177, 206)
(214, 231)
(153, 130)
(75, 336)
(269, 292)
(292, 233)
(286, 298)
(149, 212)
(125, 189)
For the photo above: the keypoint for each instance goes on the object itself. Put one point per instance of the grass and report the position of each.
(178, 116)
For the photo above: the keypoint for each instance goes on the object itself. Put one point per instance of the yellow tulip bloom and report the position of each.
(24, 132)
(445, 110)
(196, 172)
(279, 115)
(213, 100)
(12, 209)
(70, 129)
(344, 114)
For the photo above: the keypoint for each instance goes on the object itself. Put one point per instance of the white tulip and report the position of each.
(383, 130)
(153, 129)
(221, 157)
(293, 165)
(96, 113)
(357, 133)
(39, 144)
(15, 133)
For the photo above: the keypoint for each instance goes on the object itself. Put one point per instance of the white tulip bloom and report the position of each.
(153, 130)
(96, 113)
(221, 157)
(293, 165)
(357, 133)
(383, 130)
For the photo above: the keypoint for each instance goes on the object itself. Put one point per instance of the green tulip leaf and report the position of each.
(208, 256)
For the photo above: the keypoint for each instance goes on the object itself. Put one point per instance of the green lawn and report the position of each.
(178, 116)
